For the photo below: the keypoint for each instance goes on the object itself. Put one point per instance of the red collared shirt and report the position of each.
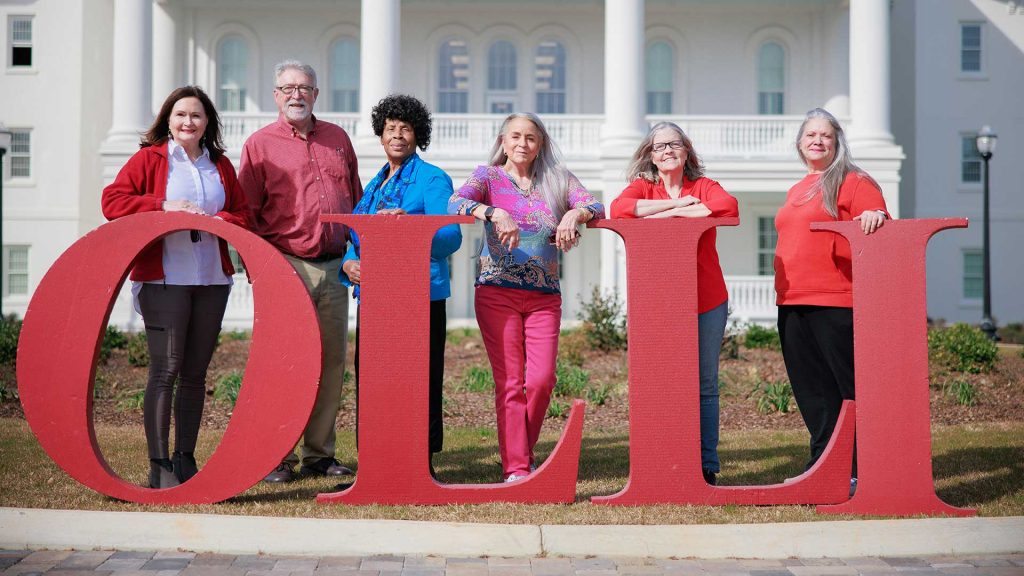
(290, 181)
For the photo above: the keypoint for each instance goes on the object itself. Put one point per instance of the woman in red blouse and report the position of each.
(666, 180)
(813, 274)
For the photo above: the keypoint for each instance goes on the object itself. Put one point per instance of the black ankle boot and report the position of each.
(161, 473)
(184, 465)
(709, 476)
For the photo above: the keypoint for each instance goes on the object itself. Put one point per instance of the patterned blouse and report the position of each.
(533, 265)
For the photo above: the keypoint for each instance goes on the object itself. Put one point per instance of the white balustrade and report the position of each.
(751, 299)
(739, 136)
(237, 126)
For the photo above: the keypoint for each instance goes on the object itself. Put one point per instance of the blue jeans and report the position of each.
(710, 332)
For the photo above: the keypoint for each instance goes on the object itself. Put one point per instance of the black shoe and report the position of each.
(342, 487)
(709, 476)
(184, 465)
(283, 473)
(161, 473)
(325, 467)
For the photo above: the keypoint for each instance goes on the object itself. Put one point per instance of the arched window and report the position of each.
(549, 77)
(453, 71)
(771, 78)
(658, 73)
(502, 78)
(344, 76)
(232, 74)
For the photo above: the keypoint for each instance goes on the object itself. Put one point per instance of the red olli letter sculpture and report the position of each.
(895, 477)
(63, 330)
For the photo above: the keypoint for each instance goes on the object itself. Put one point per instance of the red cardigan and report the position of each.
(816, 268)
(711, 291)
(141, 186)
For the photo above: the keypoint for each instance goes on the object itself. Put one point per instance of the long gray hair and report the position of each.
(642, 166)
(833, 176)
(548, 172)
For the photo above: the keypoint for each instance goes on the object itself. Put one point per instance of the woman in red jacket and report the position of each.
(667, 181)
(180, 283)
(813, 274)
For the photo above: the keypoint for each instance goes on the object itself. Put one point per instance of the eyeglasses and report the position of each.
(289, 89)
(675, 145)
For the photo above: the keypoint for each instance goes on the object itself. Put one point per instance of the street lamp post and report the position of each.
(986, 142)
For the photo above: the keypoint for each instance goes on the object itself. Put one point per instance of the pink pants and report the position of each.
(520, 331)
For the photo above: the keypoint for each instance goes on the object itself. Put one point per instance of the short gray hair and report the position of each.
(306, 69)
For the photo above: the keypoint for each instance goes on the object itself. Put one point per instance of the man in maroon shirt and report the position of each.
(293, 171)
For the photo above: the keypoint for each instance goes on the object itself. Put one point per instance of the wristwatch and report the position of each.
(488, 213)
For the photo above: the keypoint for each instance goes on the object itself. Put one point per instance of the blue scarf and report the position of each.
(377, 197)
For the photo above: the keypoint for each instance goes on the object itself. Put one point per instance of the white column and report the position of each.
(624, 119)
(623, 73)
(869, 73)
(133, 21)
(166, 65)
(379, 53)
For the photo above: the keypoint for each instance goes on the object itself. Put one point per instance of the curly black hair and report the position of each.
(408, 110)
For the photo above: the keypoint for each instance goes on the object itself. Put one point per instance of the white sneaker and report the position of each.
(853, 487)
(514, 477)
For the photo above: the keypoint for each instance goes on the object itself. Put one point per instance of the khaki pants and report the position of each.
(330, 297)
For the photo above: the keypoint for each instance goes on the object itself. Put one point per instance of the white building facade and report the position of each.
(737, 75)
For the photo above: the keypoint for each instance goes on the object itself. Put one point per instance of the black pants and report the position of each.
(182, 325)
(817, 345)
(438, 331)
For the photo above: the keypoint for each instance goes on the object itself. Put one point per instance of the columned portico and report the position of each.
(869, 72)
(133, 21)
(166, 63)
(624, 124)
(380, 49)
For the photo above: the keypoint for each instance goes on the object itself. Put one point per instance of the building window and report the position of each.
(345, 75)
(771, 78)
(15, 271)
(549, 77)
(502, 77)
(453, 93)
(973, 274)
(659, 67)
(970, 48)
(18, 162)
(19, 36)
(767, 236)
(232, 74)
(970, 160)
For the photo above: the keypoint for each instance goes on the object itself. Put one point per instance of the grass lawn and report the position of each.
(975, 465)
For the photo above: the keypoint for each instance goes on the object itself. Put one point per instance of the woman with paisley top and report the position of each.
(532, 207)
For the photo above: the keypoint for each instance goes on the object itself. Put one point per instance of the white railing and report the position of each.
(739, 136)
(751, 299)
(578, 135)
(239, 125)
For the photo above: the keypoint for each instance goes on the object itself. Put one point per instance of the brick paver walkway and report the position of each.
(110, 563)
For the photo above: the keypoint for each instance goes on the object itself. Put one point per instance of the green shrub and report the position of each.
(238, 335)
(963, 392)
(456, 336)
(477, 379)
(10, 330)
(228, 387)
(571, 381)
(604, 322)
(138, 350)
(599, 395)
(962, 348)
(8, 394)
(772, 396)
(1012, 333)
(758, 336)
(558, 409)
(132, 400)
(571, 344)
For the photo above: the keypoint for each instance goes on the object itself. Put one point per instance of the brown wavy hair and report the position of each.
(159, 132)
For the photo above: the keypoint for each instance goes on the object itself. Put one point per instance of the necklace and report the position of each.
(515, 182)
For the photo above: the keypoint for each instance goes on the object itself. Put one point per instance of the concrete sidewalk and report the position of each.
(151, 563)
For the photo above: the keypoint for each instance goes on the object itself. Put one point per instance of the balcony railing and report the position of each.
(751, 299)
(578, 135)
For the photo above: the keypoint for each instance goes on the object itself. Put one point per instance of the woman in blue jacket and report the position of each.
(408, 185)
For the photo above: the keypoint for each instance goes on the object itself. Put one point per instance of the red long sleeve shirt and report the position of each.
(816, 268)
(711, 291)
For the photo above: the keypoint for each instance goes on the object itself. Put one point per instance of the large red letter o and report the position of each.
(64, 326)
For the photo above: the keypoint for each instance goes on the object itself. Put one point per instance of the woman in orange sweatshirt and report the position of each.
(813, 274)
(666, 180)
